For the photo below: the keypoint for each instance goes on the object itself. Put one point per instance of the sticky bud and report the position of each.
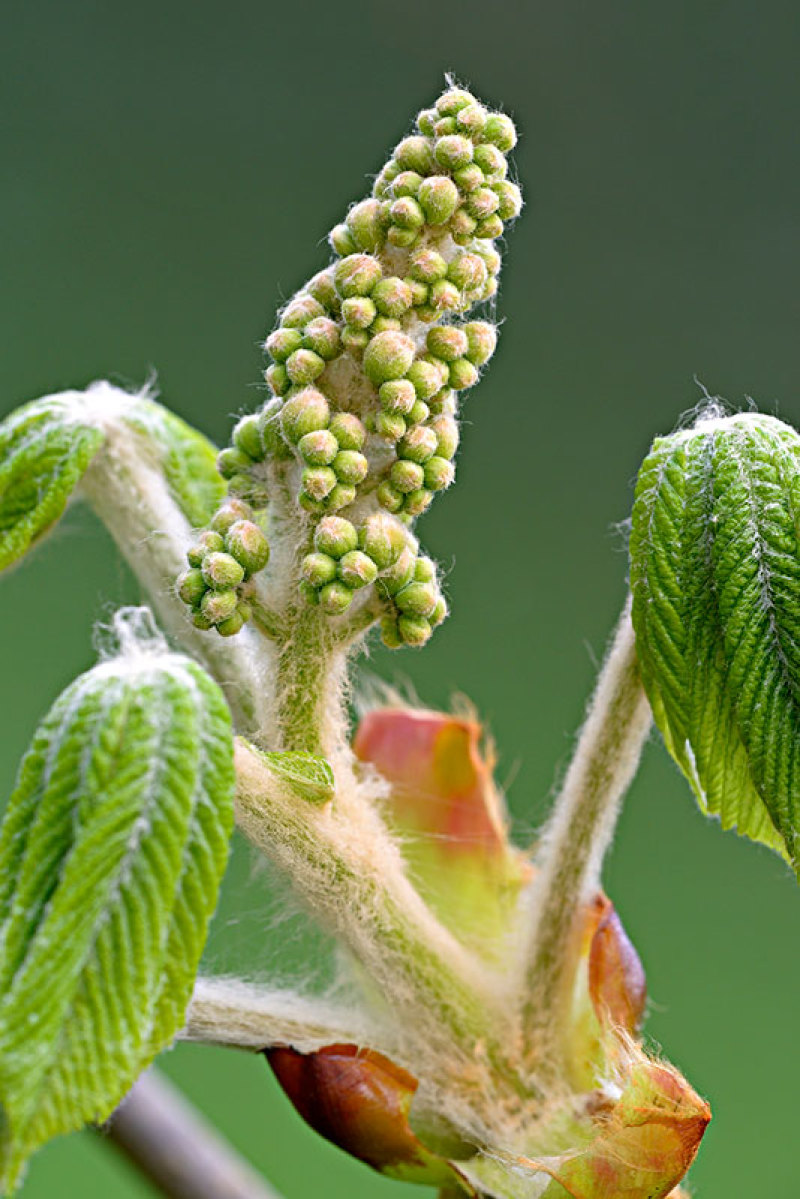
(335, 536)
(438, 198)
(388, 356)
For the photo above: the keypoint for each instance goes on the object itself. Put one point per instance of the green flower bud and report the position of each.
(417, 599)
(221, 571)
(462, 226)
(415, 630)
(482, 340)
(217, 606)
(318, 569)
(482, 203)
(310, 505)
(419, 291)
(467, 271)
(244, 487)
(453, 100)
(350, 466)
(439, 473)
(509, 200)
(191, 586)
(414, 154)
(323, 288)
(389, 426)
(427, 376)
(444, 403)
(418, 445)
(335, 536)
(406, 476)
(428, 266)
(277, 377)
(248, 545)
(300, 310)
(383, 538)
(355, 341)
(489, 228)
(445, 127)
(392, 296)
(390, 634)
(468, 178)
(359, 312)
(389, 497)
(356, 275)
(318, 448)
(247, 437)
(385, 324)
(201, 622)
(357, 569)
(400, 573)
(453, 151)
(342, 241)
(426, 120)
(304, 413)
(406, 184)
(222, 520)
(401, 238)
(472, 119)
(419, 413)
(335, 598)
(439, 613)
(407, 213)
(232, 462)
(207, 543)
(322, 336)
(244, 610)
(283, 342)
(438, 197)
(424, 570)
(233, 625)
(304, 366)
(366, 222)
(318, 481)
(463, 374)
(417, 502)
(385, 179)
(501, 131)
(445, 296)
(388, 356)
(447, 342)
(490, 256)
(342, 495)
(397, 396)
(491, 161)
(446, 430)
(348, 431)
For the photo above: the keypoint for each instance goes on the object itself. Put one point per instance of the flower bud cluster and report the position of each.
(221, 563)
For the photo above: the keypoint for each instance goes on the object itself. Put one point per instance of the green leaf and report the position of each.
(715, 576)
(308, 776)
(111, 856)
(47, 446)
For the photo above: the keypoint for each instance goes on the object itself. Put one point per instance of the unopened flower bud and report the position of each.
(462, 226)
(472, 119)
(444, 403)
(217, 606)
(428, 266)
(388, 356)
(223, 518)
(191, 586)
(444, 127)
(200, 621)
(426, 120)
(277, 378)
(300, 310)
(208, 542)
(322, 336)
(318, 481)
(390, 634)
(489, 228)
(417, 599)
(418, 445)
(389, 497)
(355, 341)
(463, 374)
(247, 437)
(406, 476)
(356, 275)
(342, 496)
(501, 131)
(389, 426)
(414, 154)
(406, 212)
(318, 569)
(438, 197)
(359, 312)
(491, 161)
(439, 613)
(453, 152)
(385, 179)
(483, 202)
(342, 240)
(366, 222)
(415, 630)
(392, 296)
(356, 569)
(384, 539)
(400, 573)
(348, 431)
(439, 473)
(481, 340)
(453, 100)
(419, 291)
(446, 430)
(445, 296)
(283, 342)
(419, 413)
(232, 462)
(318, 448)
(232, 625)
(447, 342)
(248, 545)
(509, 200)
(304, 366)
(468, 178)
(335, 598)
(386, 324)
(335, 536)
(304, 413)
(397, 396)
(427, 377)
(323, 288)
(417, 502)
(350, 466)
(221, 571)
(402, 238)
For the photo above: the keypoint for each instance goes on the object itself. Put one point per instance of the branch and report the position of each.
(163, 1136)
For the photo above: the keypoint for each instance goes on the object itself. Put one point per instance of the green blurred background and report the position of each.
(169, 173)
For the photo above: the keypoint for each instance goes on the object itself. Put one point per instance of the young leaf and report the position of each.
(715, 575)
(47, 446)
(111, 855)
(310, 777)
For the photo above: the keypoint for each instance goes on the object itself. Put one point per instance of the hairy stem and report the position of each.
(310, 684)
(578, 835)
(163, 1136)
